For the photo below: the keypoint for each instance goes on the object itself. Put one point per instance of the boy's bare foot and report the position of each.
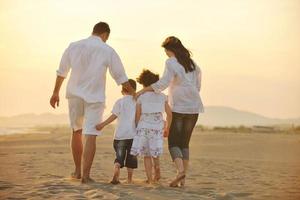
(75, 175)
(115, 180)
(178, 178)
(87, 180)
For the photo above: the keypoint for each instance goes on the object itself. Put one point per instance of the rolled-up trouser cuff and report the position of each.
(177, 152)
(185, 153)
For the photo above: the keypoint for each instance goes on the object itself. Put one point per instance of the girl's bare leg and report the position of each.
(156, 168)
(148, 168)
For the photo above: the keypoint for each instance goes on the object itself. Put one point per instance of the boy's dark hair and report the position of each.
(146, 78)
(100, 28)
(132, 84)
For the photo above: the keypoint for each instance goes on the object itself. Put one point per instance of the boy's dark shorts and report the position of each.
(123, 157)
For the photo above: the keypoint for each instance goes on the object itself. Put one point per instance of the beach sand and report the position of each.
(223, 166)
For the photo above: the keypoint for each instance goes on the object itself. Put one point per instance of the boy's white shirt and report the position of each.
(124, 109)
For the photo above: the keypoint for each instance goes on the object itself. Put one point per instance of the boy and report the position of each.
(124, 111)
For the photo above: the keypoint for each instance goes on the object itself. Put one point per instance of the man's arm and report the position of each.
(54, 100)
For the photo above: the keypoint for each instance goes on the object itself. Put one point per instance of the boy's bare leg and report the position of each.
(129, 176)
(88, 157)
(148, 168)
(156, 169)
(116, 176)
(76, 146)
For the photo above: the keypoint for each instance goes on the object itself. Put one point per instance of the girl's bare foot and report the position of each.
(87, 180)
(157, 174)
(182, 182)
(76, 175)
(178, 178)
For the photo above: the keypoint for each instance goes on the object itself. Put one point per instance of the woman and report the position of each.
(183, 77)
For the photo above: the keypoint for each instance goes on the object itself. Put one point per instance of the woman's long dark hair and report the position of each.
(182, 55)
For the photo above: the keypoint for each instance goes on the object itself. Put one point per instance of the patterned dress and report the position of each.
(148, 140)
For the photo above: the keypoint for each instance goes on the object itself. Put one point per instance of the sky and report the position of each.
(248, 50)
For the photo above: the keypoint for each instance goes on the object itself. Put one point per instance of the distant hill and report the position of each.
(213, 116)
(226, 116)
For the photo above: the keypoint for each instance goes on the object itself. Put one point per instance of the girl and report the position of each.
(151, 129)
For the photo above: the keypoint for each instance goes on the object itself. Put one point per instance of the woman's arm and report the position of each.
(199, 77)
(109, 120)
(169, 119)
(138, 113)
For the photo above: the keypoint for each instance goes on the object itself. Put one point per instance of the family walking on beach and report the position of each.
(141, 126)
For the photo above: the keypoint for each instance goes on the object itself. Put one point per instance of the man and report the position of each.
(88, 60)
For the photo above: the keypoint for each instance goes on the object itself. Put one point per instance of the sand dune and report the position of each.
(223, 166)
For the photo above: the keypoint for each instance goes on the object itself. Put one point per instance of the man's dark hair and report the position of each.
(100, 28)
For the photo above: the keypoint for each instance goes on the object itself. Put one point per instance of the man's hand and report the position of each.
(100, 126)
(54, 100)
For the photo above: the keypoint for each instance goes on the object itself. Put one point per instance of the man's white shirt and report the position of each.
(88, 60)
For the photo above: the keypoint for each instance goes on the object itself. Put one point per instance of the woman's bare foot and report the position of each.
(147, 181)
(87, 180)
(178, 178)
(75, 175)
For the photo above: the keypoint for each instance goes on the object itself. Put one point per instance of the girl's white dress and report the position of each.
(148, 140)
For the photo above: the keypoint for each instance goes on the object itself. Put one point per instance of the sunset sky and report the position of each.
(248, 50)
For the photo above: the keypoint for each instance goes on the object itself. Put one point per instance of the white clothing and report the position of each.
(152, 102)
(85, 116)
(124, 109)
(89, 59)
(184, 87)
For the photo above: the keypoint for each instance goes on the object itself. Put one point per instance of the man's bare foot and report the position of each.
(75, 175)
(87, 180)
(178, 178)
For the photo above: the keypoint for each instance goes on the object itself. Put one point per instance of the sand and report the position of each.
(223, 166)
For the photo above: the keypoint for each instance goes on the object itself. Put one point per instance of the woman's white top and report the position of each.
(152, 102)
(184, 87)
